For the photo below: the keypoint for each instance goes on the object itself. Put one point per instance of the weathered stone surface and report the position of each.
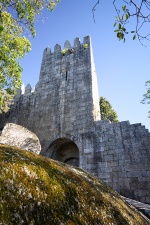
(127, 155)
(16, 135)
(65, 106)
(39, 191)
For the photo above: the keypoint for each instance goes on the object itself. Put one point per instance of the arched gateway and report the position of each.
(64, 150)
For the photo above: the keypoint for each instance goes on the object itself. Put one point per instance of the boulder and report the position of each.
(18, 136)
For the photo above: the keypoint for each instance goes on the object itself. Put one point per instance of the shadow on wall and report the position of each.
(63, 150)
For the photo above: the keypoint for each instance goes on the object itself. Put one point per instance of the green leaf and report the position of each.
(12, 48)
(120, 35)
(119, 26)
(124, 7)
(134, 37)
(1, 28)
(132, 31)
(115, 24)
(127, 16)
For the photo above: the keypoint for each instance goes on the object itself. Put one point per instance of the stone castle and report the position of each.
(63, 111)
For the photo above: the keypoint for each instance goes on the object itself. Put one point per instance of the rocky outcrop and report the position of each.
(44, 191)
(16, 135)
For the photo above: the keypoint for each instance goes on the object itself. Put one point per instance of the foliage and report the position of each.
(85, 46)
(12, 48)
(139, 13)
(130, 9)
(146, 96)
(15, 17)
(107, 113)
(121, 21)
(37, 190)
(64, 51)
(6, 100)
(24, 12)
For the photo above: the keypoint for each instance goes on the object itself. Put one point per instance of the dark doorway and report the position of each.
(65, 150)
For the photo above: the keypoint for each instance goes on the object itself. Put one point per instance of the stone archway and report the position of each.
(64, 150)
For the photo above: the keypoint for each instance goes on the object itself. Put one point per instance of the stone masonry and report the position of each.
(63, 111)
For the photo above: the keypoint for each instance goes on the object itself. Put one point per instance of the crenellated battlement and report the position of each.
(24, 91)
(68, 48)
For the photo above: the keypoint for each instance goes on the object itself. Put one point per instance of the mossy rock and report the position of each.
(36, 190)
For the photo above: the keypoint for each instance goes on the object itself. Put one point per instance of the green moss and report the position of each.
(85, 46)
(37, 190)
(64, 51)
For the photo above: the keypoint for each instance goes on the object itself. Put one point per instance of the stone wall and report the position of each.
(123, 153)
(119, 154)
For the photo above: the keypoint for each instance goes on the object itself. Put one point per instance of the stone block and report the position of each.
(112, 163)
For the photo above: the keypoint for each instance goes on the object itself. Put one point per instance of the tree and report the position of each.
(137, 12)
(130, 9)
(146, 96)
(15, 17)
(106, 110)
(24, 12)
(12, 48)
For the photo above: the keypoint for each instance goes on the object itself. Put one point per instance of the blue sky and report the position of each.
(122, 68)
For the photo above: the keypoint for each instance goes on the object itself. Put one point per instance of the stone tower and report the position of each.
(65, 102)
(68, 89)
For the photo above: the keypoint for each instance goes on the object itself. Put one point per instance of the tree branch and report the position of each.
(140, 11)
(94, 9)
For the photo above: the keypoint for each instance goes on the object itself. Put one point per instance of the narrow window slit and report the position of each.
(66, 74)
